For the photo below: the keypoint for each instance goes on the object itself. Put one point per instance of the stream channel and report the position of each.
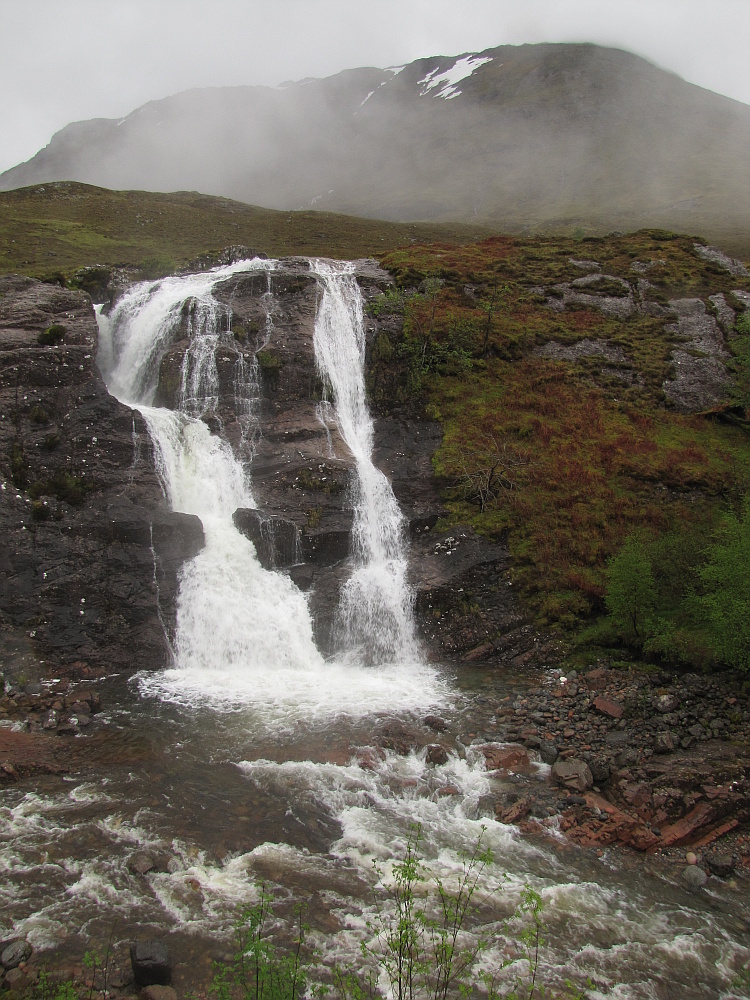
(252, 759)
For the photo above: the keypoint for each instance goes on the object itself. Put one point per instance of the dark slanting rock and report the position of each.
(14, 952)
(150, 963)
(275, 538)
(89, 552)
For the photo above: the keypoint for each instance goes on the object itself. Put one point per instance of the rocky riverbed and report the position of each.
(607, 764)
(643, 759)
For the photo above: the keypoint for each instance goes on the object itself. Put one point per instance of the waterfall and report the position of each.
(375, 614)
(244, 634)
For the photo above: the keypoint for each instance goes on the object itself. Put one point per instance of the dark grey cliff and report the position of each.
(89, 552)
(304, 480)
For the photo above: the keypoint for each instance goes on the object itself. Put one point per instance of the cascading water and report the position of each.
(244, 634)
(375, 612)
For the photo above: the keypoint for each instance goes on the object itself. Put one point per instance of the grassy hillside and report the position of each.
(566, 457)
(62, 226)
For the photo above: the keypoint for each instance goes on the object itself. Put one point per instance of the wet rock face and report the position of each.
(303, 476)
(701, 376)
(89, 552)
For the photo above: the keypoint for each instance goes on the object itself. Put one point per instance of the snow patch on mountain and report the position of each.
(449, 78)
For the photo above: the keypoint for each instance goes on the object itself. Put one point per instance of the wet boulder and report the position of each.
(437, 754)
(150, 963)
(695, 876)
(14, 953)
(573, 774)
(276, 539)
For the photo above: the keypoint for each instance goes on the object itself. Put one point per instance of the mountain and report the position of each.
(525, 138)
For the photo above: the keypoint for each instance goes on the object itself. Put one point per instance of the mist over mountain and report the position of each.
(522, 137)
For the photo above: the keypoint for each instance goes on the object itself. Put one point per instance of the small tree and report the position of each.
(489, 308)
(631, 591)
(726, 579)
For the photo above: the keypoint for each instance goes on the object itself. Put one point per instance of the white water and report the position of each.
(376, 604)
(244, 634)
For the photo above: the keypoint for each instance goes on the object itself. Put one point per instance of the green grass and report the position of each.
(61, 227)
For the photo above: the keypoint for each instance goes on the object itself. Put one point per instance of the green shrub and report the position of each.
(19, 465)
(158, 266)
(52, 335)
(726, 598)
(62, 485)
(269, 362)
(41, 510)
(392, 301)
(93, 280)
(259, 971)
(38, 415)
(739, 366)
(631, 591)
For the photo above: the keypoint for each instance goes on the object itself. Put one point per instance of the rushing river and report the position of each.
(250, 757)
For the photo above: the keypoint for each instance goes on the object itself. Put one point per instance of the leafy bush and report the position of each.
(393, 300)
(52, 335)
(426, 951)
(726, 579)
(739, 365)
(19, 465)
(62, 485)
(259, 971)
(631, 591)
(682, 598)
(269, 362)
(157, 266)
(38, 415)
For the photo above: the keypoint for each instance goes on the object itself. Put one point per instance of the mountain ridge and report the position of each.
(528, 138)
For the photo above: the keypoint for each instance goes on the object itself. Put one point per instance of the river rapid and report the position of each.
(251, 758)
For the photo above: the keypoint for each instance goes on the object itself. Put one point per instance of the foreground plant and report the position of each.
(432, 953)
(424, 942)
(259, 971)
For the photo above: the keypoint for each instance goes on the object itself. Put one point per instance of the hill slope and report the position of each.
(524, 138)
(57, 228)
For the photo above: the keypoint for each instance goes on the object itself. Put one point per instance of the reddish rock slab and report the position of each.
(478, 653)
(512, 813)
(505, 758)
(597, 679)
(23, 753)
(572, 773)
(685, 830)
(717, 832)
(611, 708)
(370, 758)
(616, 826)
(449, 790)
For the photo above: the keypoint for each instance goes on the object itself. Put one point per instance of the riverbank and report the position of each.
(650, 761)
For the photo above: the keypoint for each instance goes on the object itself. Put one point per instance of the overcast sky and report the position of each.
(67, 60)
